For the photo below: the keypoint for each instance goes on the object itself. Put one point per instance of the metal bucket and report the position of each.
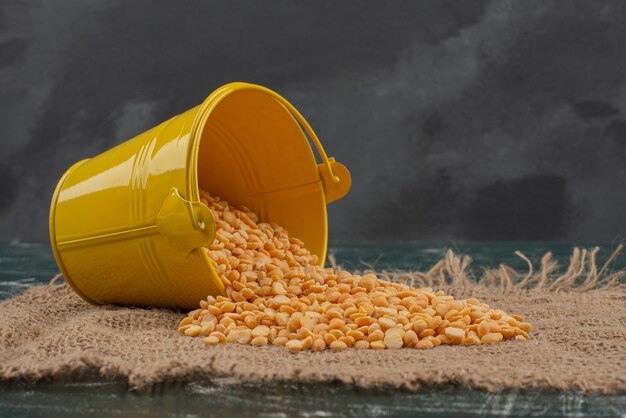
(126, 226)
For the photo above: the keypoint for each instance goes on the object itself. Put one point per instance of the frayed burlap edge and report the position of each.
(577, 343)
(453, 272)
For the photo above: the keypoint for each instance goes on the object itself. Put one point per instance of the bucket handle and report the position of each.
(318, 145)
(334, 176)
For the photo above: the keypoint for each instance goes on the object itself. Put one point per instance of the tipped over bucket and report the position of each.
(127, 226)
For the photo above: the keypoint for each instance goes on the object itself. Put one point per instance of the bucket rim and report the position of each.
(202, 117)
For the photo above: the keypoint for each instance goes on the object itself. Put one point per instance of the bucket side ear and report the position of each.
(186, 225)
(334, 190)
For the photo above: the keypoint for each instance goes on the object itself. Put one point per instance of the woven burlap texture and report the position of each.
(578, 340)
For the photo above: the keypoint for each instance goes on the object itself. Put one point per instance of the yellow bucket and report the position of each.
(126, 226)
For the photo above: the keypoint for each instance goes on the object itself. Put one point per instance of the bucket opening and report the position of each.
(253, 152)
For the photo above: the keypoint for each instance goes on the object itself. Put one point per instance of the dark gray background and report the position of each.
(458, 119)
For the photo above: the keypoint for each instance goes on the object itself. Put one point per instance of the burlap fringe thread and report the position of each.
(453, 273)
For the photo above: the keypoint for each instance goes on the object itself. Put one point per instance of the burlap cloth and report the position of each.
(578, 340)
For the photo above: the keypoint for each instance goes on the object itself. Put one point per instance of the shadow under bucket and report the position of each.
(126, 226)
